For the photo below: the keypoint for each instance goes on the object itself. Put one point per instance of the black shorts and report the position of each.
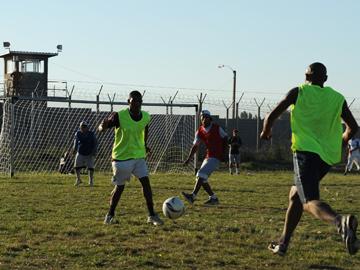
(309, 169)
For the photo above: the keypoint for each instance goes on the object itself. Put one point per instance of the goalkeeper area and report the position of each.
(37, 132)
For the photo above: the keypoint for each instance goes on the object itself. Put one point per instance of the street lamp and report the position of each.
(234, 88)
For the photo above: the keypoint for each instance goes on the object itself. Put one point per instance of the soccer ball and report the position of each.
(173, 207)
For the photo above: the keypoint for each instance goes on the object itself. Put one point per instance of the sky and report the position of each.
(168, 46)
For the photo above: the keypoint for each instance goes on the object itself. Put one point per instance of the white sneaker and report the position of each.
(347, 230)
(276, 248)
(155, 220)
(109, 219)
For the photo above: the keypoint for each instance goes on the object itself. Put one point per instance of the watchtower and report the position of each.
(25, 72)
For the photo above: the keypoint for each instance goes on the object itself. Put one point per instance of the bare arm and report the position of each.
(148, 150)
(75, 144)
(111, 121)
(193, 150)
(289, 99)
(351, 127)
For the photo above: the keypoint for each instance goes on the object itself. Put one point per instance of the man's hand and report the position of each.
(100, 128)
(148, 150)
(186, 162)
(266, 134)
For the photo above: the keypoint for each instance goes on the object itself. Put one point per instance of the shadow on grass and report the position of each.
(324, 267)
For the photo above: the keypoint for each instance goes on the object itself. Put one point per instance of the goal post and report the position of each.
(37, 131)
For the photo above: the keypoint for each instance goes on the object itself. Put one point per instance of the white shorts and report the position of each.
(122, 170)
(207, 167)
(234, 158)
(82, 161)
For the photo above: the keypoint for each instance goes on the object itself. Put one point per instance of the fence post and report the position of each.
(32, 121)
(237, 110)
(227, 115)
(69, 113)
(271, 139)
(98, 105)
(196, 128)
(12, 125)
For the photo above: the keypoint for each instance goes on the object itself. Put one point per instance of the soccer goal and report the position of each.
(37, 132)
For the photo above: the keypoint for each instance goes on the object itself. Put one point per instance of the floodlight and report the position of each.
(6, 44)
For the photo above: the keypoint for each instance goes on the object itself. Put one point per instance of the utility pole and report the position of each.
(234, 88)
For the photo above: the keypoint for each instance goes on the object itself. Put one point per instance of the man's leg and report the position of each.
(190, 197)
(91, 176)
(78, 165)
(145, 182)
(237, 167)
(213, 199)
(78, 179)
(356, 162)
(153, 217)
(90, 166)
(346, 225)
(293, 216)
(198, 184)
(208, 189)
(115, 198)
(321, 210)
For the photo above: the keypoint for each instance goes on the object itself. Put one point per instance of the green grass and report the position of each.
(47, 223)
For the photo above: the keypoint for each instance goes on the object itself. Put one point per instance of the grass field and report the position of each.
(47, 223)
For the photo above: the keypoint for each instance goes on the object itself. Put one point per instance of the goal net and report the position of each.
(35, 135)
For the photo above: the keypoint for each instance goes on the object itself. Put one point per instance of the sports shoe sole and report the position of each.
(351, 242)
(211, 203)
(155, 223)
(276, 250)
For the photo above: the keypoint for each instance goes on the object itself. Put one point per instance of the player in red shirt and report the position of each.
(215, 139)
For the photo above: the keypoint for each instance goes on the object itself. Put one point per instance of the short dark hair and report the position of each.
(316, 72)
(135, 94)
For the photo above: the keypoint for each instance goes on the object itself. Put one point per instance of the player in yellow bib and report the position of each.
(317, 137)
(129, 152)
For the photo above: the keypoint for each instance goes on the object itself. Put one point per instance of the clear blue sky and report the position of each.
(180, 43)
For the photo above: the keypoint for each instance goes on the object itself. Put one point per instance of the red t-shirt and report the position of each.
(212, 140)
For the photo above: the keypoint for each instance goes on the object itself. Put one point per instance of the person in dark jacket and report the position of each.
(85, 149)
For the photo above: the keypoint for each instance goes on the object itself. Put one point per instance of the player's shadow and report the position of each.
(324, 267)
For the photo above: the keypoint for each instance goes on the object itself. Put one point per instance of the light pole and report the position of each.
(234, 88)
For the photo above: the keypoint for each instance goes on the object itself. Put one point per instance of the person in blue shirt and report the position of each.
(85, 149)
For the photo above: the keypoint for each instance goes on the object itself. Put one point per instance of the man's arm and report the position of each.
(75, 144)
(351, 127)
(193, 150)
(111, 121)
(289, 99)
(146, 135)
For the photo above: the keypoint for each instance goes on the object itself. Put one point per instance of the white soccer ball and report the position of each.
(173, 208)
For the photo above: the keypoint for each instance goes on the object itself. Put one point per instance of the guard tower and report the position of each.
(25, 72)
